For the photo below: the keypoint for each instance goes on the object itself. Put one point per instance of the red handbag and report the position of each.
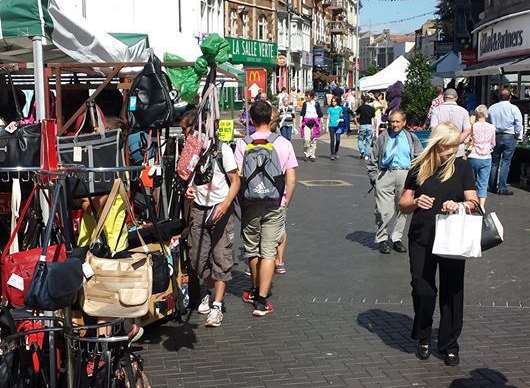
(17, 268)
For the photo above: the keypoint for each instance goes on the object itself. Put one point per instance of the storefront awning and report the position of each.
(520, 65)
(494, 67)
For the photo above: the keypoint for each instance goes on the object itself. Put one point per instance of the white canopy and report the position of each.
(396, 71)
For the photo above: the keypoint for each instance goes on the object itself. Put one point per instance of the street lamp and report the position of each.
(358, 49)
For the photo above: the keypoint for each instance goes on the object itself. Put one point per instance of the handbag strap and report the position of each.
(25, 209)
(14, 93)
(49, 224)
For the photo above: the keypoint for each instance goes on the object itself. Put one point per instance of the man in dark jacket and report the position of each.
(388, 166)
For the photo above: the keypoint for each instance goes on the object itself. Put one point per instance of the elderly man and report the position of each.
(388, 166)
(451, 112)
(508, 121)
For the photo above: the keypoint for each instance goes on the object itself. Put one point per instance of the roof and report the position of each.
(403, 38)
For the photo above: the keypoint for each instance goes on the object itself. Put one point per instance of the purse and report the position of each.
(18, 268)
(119, 287)
(492, 229)
(54, 285)
(101, 149)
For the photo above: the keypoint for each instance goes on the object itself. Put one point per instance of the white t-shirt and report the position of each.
(216, 191)
(311, 110)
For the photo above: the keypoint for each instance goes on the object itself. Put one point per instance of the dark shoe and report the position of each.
(492, 191)
(423, 351)
(262, 307)
(384, 247)
(399, 247)
(312, 159)
(505, 192)
(333, 157)
(452, 359)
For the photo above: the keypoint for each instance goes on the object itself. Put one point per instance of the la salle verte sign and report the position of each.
(255, 52)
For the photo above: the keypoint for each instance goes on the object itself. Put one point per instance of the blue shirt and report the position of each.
(397, 151)
(334, 113)
(506, 117)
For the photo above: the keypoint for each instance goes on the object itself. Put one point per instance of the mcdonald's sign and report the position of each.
(256, 81)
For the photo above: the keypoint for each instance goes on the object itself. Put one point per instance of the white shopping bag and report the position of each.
(458, 235)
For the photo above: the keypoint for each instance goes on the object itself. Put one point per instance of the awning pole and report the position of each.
(38, 71)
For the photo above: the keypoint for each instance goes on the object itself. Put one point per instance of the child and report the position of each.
(335, 119)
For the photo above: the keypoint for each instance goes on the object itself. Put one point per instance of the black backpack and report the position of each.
(150, 98)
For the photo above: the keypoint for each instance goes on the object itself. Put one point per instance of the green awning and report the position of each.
(131, 39)
(24, 18)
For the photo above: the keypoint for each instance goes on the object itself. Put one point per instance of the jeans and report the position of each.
(502, 155)
(366, 133)
(482, 169)
(334, 140)
(287, 131)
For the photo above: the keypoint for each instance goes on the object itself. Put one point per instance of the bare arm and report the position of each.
(408, 204)
(290, 184)
(235, 184)
(465, 134)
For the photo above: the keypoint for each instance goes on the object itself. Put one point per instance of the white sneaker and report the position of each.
(215, 317)
(204, 307)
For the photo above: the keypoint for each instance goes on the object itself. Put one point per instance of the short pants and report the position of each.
(262, 230)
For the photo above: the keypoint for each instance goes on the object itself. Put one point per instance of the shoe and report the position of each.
(336, 156)
(306, 159)
(204, 307)
(280, 269)
(136, 333)
(215, 317)
(452, 359)
(399, 247)
(361, 156)
(312, 159)
(384, 247)
(505, 192)
(248, 296)
(423, 351)
(492, 191)
(262, 308)
(333, 157)
(366, 158)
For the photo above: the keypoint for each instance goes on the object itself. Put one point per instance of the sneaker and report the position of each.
(366, 158)
(280, 269)
(333, 157)
(384, 247)
(215, 317)
(261, 309)
(248, 296)
(204, 307)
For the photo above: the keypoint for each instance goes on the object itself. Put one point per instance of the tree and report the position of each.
(445, 12)
(371, 69)
(419, 91)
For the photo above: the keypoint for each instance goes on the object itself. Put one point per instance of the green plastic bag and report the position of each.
(184, 79)
(215, 49)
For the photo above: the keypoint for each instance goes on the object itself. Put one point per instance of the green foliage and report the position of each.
(419, 91)
(445, 13)
(371, 69)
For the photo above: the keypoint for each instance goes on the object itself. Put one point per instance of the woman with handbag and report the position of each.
(437, 183)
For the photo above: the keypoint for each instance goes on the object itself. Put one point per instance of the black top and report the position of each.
(423, 221)
(366, 114)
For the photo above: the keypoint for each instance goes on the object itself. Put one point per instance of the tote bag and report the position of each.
(458, 236)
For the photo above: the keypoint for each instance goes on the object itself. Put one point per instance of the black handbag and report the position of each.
(54, 285)
(9, 360)
(161, 272)
(167, 229)
(492, 234)
(101, 149)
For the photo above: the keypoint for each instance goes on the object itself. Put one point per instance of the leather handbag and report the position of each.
(54, 285)
(18, 268)
(492, 229)
(103, 148)
(119, 287)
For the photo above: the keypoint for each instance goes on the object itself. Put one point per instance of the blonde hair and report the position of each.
(430, 160)
(481, 111)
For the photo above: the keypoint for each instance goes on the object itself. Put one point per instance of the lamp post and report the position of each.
(357, 48)
(288, 46)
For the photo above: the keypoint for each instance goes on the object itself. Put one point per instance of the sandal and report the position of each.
(280, 269)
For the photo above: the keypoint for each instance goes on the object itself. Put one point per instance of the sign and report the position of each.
(256, 82)
(225, 132)
(506, 38)
(245, 51)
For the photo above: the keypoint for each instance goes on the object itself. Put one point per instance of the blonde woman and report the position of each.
(483, 135)
(437, 183)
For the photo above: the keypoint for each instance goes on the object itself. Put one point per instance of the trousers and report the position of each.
(310, 145)
(423, 265)
(366, 133)
(334, 138)
(388, 188)
(501, 158)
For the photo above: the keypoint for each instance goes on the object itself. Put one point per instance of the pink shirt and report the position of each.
(483, 140)
(283, 148)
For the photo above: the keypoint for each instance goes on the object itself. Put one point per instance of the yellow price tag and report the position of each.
(226, 130)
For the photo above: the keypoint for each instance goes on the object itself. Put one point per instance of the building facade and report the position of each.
(381, 49)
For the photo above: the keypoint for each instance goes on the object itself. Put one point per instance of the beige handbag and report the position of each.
(120, 287)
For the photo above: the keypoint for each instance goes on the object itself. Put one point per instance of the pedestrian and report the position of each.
(388, 165)
(451, 112)
(211, 193)
(380, 105)
(436, 102)
(437, 182)
(508, 122)
(245, 120)
(263, 220)
(286, 113)
(283, 93)
(345, 125)
(365, 120)
(483, 141)
(310, 125)
(335, 118)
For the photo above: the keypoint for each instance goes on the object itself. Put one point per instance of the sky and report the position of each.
(375, 12)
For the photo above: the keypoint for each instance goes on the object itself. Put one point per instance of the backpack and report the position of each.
(263, 178)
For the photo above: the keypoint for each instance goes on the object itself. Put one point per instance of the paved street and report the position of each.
(343, 312)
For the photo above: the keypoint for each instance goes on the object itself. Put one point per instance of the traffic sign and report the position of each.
(256, 81)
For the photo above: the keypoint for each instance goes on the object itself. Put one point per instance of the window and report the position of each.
(245, 23)
(262, 28)
(233, 23)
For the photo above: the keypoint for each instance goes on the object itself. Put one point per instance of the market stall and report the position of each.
(396, 71)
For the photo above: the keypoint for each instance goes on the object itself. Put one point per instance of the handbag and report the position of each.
(458, 236)
(492, 230)
(119, 287)
(54, 285)
(18, 268)
(101, 149)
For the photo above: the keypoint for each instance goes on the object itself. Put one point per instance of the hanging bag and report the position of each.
(119, 287)
(492, 229)
(458, 236)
